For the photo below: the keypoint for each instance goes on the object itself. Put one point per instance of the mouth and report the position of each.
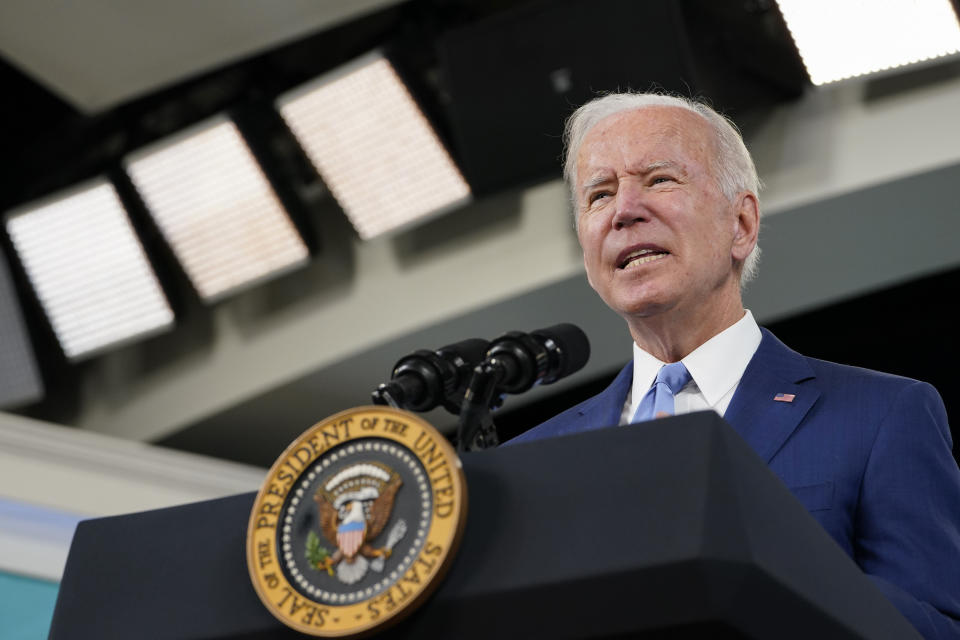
(637, 257)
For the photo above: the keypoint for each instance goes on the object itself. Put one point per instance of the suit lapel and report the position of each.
(604, 409)
(762, 421)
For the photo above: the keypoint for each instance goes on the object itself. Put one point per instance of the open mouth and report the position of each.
(641, 256)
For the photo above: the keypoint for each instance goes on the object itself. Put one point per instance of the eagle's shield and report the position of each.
(350, 537)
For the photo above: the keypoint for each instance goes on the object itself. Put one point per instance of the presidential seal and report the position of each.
(356, 523)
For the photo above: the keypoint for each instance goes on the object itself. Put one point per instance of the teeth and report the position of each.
(641, 257)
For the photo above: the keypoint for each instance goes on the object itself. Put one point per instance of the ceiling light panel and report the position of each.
(840, 39)
(216, 209)
(374, 148)
(89, 270)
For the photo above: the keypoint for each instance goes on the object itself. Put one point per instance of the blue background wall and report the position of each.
(26, 606)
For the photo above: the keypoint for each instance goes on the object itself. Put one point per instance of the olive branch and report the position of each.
(315, 552)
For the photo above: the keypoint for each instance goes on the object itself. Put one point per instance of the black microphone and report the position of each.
(523, 360)
(515, 362)
(426, 379)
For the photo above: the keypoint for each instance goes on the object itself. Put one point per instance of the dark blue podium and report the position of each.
(675, 529)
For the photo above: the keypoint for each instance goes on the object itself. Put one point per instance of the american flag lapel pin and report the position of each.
(784, 397)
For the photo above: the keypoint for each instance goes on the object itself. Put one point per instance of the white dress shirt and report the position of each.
(715, 367)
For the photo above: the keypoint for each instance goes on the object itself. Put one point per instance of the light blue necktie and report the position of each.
(670, 379)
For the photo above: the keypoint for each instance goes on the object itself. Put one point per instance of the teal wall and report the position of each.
(26, 607)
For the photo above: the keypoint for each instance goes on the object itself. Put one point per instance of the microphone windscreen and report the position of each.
(572, 346)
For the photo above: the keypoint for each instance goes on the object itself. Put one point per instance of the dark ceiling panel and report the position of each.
(514, 78)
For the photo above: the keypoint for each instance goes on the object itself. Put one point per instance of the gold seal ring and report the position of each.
(356, 523)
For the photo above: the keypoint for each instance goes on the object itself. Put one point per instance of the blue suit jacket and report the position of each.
(867, 453)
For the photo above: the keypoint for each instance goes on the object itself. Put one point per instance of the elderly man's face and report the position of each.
(657, 233)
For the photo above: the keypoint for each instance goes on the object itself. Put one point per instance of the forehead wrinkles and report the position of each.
(642, 145)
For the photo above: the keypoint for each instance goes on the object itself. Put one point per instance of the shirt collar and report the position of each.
(716, 366)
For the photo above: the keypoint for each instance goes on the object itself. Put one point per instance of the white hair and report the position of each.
(733, 167)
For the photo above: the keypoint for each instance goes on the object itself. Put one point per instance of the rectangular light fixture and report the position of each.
(840, 39)
(216, 209)
(20, 381)
(373, 147)
(89, 269)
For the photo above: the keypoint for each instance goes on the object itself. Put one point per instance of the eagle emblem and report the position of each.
(354, 507)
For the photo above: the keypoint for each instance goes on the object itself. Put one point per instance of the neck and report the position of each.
(674, 334)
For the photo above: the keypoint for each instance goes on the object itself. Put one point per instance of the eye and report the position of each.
(597, 195)
(661, 179)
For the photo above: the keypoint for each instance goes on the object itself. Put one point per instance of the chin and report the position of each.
(643, 307)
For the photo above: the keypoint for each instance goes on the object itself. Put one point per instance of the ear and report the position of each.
(746, 226)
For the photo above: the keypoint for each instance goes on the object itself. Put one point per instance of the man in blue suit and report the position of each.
(665, 199)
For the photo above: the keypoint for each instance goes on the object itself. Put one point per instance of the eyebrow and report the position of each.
(650, 168)
(663, 164)
(594, 182)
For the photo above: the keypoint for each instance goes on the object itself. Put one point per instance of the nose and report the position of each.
(630, 207)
